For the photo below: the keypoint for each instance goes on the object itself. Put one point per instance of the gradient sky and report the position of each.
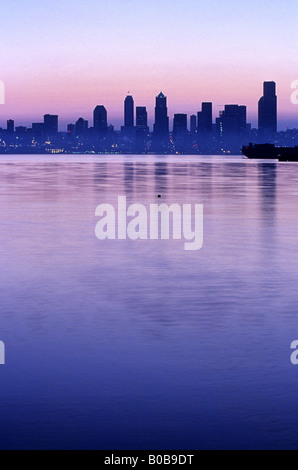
(66, 56)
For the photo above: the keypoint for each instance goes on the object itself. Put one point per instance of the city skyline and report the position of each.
(195, 134)
(119, 120)
(65, 56)
(205, 118)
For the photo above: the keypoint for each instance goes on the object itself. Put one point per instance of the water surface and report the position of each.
(142, 345)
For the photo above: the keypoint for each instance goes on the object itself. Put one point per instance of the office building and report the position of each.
(180, 126)
(205, 120)
(100, 121)
(10, 126)
(268, 110)
(161, 125)
(142, 118)
(50, 125)
(129, 112)
(232, 122)
(38, 129)
(81, 127)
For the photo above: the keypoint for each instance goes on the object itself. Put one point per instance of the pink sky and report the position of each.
(64, 58)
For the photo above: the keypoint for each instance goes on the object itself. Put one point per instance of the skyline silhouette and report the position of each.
(22, 118)
(204, 118)
(195, 134)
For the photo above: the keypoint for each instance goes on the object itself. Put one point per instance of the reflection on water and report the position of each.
(141, 345)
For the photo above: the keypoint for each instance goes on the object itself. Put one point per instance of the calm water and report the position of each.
(141, 345)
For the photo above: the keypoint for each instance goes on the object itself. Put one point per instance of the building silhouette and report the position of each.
(21, 130)
(50, 125)
(81, 129)
(205, 120)
(161, 125)
(100, 121)
(268, 110)
(142, 118)
(228, 135)
(180, 126)
(38, 130)
(231, 127)
(232, 121)
(129, 112)
(180, 132)
(128, 130)
(142, 129)
(71, 129)
(10, 126)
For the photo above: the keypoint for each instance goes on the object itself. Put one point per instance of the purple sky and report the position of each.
(67, 56)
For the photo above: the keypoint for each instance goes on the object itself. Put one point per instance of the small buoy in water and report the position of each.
(159, 196)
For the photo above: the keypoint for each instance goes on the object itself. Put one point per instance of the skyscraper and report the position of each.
(268, 110)
(100, 120)
(205, 120)
(142, 118)
(38, 129)
(180, 132)
(10, 126)
(161, 126)
(142, 128)
(129, 111)
(50, 125)
(232, 121)
(81, 127)
(71, 129)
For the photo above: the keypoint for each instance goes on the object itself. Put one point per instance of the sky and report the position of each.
(67, 56)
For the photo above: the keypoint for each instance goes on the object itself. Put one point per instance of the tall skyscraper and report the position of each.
(142, 129)
(129, 111)
(205, 119)
(142, 118)
(100, 120)
(10, 126)
(50, 125)
(268, 109)
(161, 126)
